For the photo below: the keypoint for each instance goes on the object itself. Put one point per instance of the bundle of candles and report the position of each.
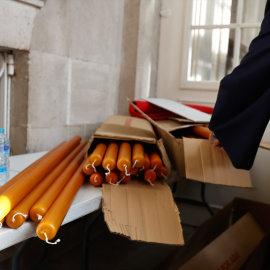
(117, 162)
(45, 190)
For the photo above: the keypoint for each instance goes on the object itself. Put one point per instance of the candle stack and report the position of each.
(45, 190)
(118, 162)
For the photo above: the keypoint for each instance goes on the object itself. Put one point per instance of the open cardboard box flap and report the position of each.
(195, 159)
(126, 128)
(143, 212)
(137, 209)
(182, 110)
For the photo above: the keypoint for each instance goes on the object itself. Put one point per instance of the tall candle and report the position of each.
(150, 175)
(96, 179)
(146, 161)
(124, 178)
(162, 172)
(111, 177)
(137, 155)
(97, 155)
(87, 167)
(109, 160)
(52, 221)
(14, 194)
(133, 171)
(20, 212)
(155, 161)
(40, 208)
(202, 131)
(27, 169)
(124, 157)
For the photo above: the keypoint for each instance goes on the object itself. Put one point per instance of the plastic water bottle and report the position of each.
(3, 159)
(7, 153)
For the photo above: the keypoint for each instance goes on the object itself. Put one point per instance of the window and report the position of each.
(6, 71)
(219, 36)
(200, 42)
(3, 91)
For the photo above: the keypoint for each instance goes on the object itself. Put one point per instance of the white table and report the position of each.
(87, 200)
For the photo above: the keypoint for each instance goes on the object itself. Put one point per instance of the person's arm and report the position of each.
(242, 109)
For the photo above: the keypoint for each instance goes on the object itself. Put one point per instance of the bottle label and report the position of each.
(3, 170)
(6, 149)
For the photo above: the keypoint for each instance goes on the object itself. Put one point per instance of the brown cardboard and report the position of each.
(143, 212)
(137, 209)
(195, 159)
(265, 145)
(231, 249)
(219, 224)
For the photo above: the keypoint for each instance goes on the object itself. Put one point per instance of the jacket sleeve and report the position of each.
(242, 108)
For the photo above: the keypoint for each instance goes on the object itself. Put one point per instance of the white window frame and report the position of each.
(6, 73)
(211, 85)
(175, 33)
(4, 100)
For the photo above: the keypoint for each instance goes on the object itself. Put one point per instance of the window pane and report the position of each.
(208, 12)
(211, 54)
(247, 34)
(253, 11)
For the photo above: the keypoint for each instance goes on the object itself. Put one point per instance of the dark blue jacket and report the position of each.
(242, 109)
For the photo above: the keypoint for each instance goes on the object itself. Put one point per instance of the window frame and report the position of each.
(188, 27)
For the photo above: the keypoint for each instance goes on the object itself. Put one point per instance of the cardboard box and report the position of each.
(137, 209)
(194, 158)
(233, 238)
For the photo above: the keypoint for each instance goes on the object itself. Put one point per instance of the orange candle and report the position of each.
(155, 161)
(52, 221)
(162, 172)
(150, 175)
(123, 178)
(88, 168)
(40, 208)
(124, 157)
(96, 179)
(20, 212)
(14, 194)
(133, 171)
(27, 169)
(137, 155)
(97, 156)
(146, 161)
(2, 222)
(111, 177)
(202, 131)
(109, 160)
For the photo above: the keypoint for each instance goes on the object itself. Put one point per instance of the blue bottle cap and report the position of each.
(2, 130)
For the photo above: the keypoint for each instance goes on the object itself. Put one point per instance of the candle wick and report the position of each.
(142, 168)
(127, 174)
(13, 218)
(116, 184)
(39, 217)
(150, 182)
(94, 166)
(154, 168)
(134, 163)
(95, 179)
(165, 177)
(121, 179)
(87, 166)
(109, 171)
(58, 240)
